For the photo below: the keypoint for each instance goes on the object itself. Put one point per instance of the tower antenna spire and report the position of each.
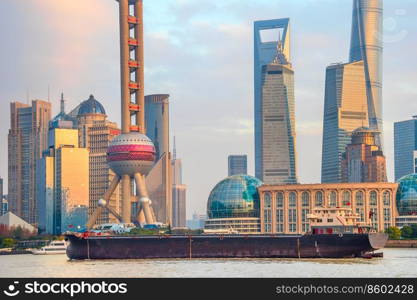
(175, 150)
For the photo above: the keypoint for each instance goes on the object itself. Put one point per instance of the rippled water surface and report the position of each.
(396, 263)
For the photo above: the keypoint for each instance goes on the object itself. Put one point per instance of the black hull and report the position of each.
(229, 246)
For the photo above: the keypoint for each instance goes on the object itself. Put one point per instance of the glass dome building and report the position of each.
(234, 197)
(91, 106)
(407, 195)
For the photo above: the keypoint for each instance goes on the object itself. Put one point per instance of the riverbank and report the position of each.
(15, 252)
(401, 244)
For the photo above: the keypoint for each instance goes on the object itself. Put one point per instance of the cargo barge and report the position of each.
(335, 234)
(223, 246)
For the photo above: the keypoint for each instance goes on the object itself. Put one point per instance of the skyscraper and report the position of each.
(95, 132)
(345, 109)
(275, 151)
(366, 46)
(405, 147)
(62, 179)
(274, 103)
(237, 165)
(159, 180)
(179, 192)
(363, 160)
(27, 139)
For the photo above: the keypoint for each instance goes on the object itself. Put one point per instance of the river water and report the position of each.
(396, 263)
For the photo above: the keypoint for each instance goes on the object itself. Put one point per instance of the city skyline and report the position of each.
(239, 30)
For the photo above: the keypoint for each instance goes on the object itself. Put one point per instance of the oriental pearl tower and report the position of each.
(130, 155)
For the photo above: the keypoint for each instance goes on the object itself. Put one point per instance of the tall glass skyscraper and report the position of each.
(405, 147)
(353, 95)
(275, 160)
(237, 165)
(366, 45)
(159, 179)
(345, 109)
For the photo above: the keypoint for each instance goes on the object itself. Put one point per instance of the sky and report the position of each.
(201, 53)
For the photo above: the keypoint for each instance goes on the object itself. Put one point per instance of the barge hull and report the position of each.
(228, 246)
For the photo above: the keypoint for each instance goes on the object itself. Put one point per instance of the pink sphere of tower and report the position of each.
(131, 153)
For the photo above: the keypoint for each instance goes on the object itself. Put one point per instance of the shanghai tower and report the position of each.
(366, 45)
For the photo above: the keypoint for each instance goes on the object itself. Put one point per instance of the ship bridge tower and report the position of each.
(130, 155)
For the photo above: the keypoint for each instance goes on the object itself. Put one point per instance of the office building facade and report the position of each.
(95, 132)
(284, 208)
(275, 150)
(27, 139)
(63, 183)
(363, 160)
(367, 46)
(159, 181)
(237, 165)
(405, 147)
(179, 192)
(345, 110)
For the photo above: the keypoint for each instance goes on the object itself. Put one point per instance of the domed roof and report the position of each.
(91, 106)
(234, 197)
(407, 195)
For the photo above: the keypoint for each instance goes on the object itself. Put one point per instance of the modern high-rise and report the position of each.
(237, 165)
(345, 110)
(363, 160)
(405, 147)
(158, 181)
(179, 192)
(275, 150)
(95, 132)
(27, 139)
(367, 46)
(62, 180)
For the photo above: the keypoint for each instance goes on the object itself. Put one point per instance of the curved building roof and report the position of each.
(91, 106)
(234, 197)
(407, 195)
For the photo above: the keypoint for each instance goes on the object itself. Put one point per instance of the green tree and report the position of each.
(394, 233)
(18, 233)
(414, 228)
(8, 243)
(406, 232)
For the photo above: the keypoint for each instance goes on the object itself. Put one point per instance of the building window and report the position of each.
(387, 198)
(332, 199)
(359, 199)
(305, 199)
(346, 198)
(319, 199)
(267, 200)
(280, 199)
(373, 215)
(280, 220)
(292, 200)
(373, 199)
(305, 225)
(387, 215)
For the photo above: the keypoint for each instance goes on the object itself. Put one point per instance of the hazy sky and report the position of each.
(201, 53)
